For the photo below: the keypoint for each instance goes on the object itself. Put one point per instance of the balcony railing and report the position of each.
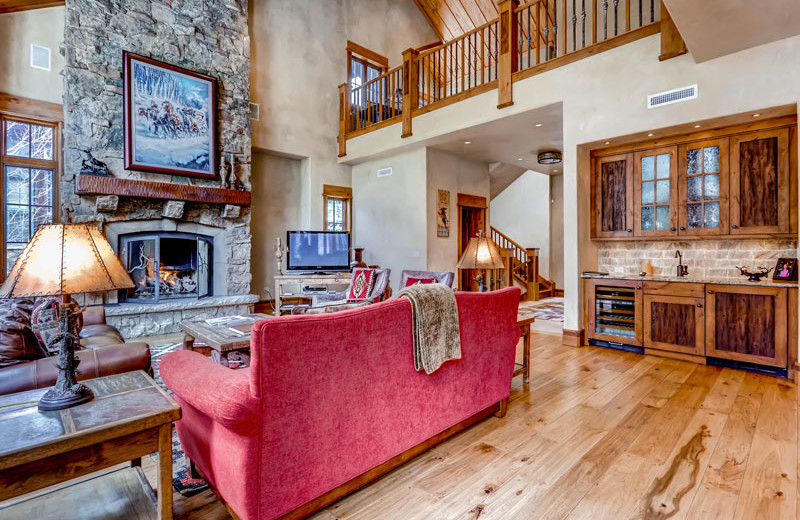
(524, 41)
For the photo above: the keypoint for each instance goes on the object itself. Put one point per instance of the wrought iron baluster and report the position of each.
(546, 31)
(583, 23)
(640, 13)
(521, 39)
(652, 11)
(616, 5)
(496, 49)
(605, 19)
(530, 48)
(555, 28)
(574, 27)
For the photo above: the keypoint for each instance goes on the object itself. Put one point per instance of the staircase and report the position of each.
(524, 268)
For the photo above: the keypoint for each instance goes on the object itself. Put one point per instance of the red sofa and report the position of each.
(332, 401)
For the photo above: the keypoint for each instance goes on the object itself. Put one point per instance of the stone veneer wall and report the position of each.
(712, 258)
(209, 37)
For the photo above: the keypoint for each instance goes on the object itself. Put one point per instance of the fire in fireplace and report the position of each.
(166, 266)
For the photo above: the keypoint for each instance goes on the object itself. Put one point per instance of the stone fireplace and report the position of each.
(185, 241)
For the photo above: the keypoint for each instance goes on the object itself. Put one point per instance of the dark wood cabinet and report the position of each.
(614, 311)
(613, 196)
(674, 317)
(759, 182)
(747, 324)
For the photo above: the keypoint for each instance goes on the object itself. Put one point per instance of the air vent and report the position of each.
(672, 96)
(384, 172)
(255, 109)
(40, 57)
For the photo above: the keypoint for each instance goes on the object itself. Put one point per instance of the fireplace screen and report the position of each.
(167, 266)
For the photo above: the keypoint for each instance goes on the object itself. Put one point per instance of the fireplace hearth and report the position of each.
(167, 266)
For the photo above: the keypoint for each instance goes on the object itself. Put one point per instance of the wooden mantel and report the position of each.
(101, 185)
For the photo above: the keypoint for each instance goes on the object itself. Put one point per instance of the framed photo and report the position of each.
(443, 214)
(786, 270)
(170, 118)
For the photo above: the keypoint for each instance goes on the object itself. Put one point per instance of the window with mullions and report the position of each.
(28, 165)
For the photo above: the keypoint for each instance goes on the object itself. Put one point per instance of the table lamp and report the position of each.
(481, 253)
(62, 260)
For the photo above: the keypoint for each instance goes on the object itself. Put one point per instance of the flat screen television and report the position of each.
(318, 251)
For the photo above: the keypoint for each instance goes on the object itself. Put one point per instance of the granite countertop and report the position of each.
(741, 280)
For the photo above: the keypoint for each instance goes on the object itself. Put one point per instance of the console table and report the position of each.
(300, 281)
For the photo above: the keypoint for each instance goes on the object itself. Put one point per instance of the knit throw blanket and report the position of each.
(434, 316)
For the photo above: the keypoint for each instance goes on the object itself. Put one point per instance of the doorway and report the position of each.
(471, 220)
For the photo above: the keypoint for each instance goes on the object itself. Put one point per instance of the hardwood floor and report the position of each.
(599, 434)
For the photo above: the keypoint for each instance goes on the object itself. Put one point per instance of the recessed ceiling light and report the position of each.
(697, 126)
(467, 142)
(756, 115)
(538, 124)
(608, 142)
(555, 171)
(650, 134)
(519, 158)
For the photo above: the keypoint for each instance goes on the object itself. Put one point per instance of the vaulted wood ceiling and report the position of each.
(452, 18)
(9, 6)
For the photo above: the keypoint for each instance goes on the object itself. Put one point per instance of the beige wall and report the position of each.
(274, 212)
(522, 213)
(557, 230)
(446, 171)
(18, 31)
(601, 102)
(390, 213)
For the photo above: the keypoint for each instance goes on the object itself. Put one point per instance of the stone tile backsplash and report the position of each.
(713, 258)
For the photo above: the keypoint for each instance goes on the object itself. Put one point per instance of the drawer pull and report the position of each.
(710, 291)
(699, 305)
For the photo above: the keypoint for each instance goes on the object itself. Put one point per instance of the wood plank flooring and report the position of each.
(599, 434)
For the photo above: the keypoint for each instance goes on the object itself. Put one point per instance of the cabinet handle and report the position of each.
(734, 226)
(683, 228)
(628, 230)
(710, 291)
(672, 228)
(699, 305)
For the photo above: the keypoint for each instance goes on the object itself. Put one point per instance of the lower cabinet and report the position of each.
(674, 324)
(747, 324)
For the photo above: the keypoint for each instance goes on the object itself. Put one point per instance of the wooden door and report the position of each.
(471, 220)
(760, 182)
(655, 192)
(747, 324)
(614, 311)
(703, 187)
(674, 324)
(613, 195)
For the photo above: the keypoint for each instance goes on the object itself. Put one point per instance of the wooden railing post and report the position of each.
(410, 88)
(507, 62)
(533, 274)
(344, 118)
(506, 275)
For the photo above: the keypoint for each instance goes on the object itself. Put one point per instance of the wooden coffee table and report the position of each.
(130, 417)
(216, 337)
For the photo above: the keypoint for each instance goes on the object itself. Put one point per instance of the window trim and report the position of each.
(39, 113)
(338, 193)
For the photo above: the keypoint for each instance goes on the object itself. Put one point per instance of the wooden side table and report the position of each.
(130, 417)
(524, 322)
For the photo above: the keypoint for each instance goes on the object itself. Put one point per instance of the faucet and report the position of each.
(683, 270)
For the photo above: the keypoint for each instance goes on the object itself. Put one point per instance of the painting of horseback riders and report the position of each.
(170, 119)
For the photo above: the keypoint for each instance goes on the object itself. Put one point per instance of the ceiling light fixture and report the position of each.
(553, 157)
(519, 158)
(650, 134)
(697, 126)
(608, 142)
(756, 115)
(555, 171)
(538, 124)
(467, 142)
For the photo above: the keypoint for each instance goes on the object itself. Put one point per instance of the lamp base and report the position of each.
(56, 399)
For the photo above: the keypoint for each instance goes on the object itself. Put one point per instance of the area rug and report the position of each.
(182, 481)
(551, 309)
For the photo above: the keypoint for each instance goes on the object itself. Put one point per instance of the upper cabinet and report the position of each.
(760, 182)
(730, 183)
(613, 195)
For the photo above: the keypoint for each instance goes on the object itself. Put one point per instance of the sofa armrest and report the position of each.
(97, 362)
(217, 391)
(94, 315)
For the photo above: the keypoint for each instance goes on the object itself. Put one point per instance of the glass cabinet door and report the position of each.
(704, 188)
(656, 192)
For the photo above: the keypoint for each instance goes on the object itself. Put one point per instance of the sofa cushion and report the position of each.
(17, 341)
(91, 331)
(361, 286)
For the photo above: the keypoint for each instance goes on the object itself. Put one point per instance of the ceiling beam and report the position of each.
(12, 6)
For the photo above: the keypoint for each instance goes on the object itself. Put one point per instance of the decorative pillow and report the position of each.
(363, 280)
(44, 322)
(415, 281)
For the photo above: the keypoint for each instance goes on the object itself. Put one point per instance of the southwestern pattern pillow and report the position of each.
(363, 280)
(415, 281)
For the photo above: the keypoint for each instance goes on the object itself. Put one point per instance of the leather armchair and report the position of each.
(104, 353)
(442, 277)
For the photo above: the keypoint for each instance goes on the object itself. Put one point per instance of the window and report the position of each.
(363, 65)
(337, 208)
(28, 163)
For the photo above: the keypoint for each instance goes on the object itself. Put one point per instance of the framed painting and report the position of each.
(443, 214)
(170, 117)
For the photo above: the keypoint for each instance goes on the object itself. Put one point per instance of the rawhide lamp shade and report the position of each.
(61, 260)
(65, 259)
(481, 253)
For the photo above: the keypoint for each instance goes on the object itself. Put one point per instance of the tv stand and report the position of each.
(291, 285)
